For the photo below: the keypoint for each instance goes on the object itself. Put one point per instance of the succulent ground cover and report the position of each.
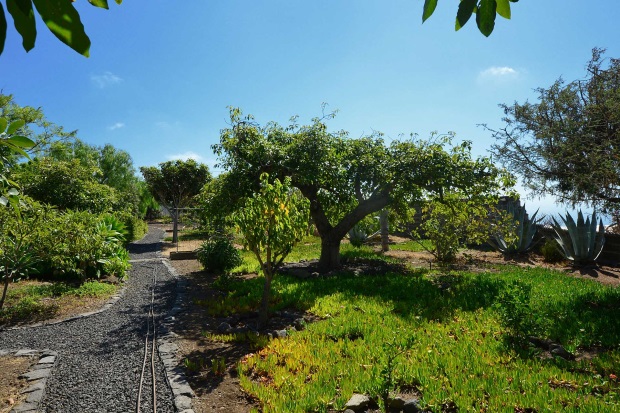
(467, 338)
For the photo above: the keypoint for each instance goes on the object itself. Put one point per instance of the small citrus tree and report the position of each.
(272, 222)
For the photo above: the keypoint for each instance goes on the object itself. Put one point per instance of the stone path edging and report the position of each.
(36, 376)
(168, 349)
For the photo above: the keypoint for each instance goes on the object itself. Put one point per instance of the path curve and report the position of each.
(100, 357)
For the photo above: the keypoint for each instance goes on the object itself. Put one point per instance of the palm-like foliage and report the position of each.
(524, 231)
(581, 242)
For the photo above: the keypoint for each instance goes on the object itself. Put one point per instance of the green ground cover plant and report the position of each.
(467, 334)
(28, 301)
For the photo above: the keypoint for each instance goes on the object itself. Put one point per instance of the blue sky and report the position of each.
(162, 73)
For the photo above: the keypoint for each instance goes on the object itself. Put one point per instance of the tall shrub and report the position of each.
(272, 222)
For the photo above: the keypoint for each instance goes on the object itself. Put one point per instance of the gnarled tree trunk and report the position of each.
(330, 253)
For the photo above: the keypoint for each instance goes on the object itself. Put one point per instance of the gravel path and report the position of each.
(100, 357)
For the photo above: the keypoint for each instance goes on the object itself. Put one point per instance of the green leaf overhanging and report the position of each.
(485, 18)
(466, 9)
(3, 27)
(64, 22)
(503, 8)
(14, 126)
(23, 19)
(99, 3)
(429, 9)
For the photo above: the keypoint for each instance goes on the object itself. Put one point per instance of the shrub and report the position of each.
(551, 251)
(76, 245)
(67, 185)
(136, 228)
(218, 255)
(513, 308)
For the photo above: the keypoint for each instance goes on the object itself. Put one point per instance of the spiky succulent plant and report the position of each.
(580, 242)
(524, 231)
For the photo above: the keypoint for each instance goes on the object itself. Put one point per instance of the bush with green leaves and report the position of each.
(513, 308)
(581, 242)
(135, 227)
(272, 222)
(454, 223)
(550, 250)
(218, 255)
(518, 236)
(73, 245)
(67, 185)
(17, 247)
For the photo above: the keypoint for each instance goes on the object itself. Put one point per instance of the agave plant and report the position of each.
(357, 236)
(524, 232)
(581, 242)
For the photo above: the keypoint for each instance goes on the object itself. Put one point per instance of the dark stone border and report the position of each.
(36, 376)
(168, 349)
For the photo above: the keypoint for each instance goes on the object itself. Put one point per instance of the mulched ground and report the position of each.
(10, 387)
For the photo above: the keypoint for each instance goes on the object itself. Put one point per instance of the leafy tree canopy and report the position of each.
(568, 143)
(346, 179)
(175, 183)
(115, 165)
(35, 127)
(66, 185)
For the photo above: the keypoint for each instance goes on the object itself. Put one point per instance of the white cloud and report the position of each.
(185, 156)
(499, 71)
(117, 125)
(498, 74)
(106, 79)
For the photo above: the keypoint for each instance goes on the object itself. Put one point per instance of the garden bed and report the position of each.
(452, 314)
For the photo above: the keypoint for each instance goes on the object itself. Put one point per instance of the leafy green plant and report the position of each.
(387, 383)
(218, 255)
(550, 251)
(17, 251)
(194, 366)
(514, 310)
(272, 222)
(452, 223)
(218, 366)
(581, 242)
(520, 236)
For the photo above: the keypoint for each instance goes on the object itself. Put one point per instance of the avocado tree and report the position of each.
(347, 179)
(174, 184)
(272, 221)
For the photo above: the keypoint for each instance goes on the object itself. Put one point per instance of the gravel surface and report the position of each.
(100, 357)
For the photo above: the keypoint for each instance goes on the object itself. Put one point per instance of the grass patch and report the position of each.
(30, 301)
(464, 352)
(413, 246)
(190, 235)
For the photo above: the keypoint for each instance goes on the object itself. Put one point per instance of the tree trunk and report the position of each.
(7, 281)
(385, 236)
(175, 226)
(330, 253)
(263, 314)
